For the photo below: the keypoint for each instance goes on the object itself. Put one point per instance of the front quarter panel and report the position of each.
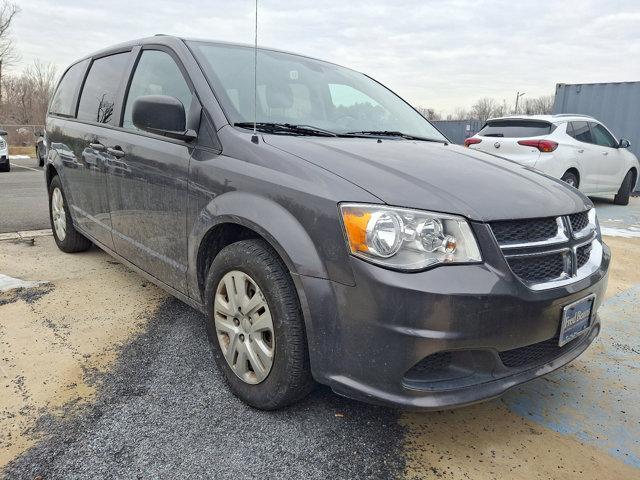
(290, 202)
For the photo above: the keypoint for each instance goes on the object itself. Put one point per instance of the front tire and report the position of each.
(255, 326)
(622, 197)
(571, 179)
(67, 238)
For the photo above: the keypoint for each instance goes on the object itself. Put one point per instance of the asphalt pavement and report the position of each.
(23, 197)
(165, 412)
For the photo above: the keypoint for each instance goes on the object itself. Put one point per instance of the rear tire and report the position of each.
(67, 238)
(288, 378)
(622, 197)
(571, 179)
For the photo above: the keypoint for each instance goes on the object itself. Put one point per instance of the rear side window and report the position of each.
(601, 136)
(101, 89)
(156, 74)
(62, 103)
(516, 128)
(580, 132)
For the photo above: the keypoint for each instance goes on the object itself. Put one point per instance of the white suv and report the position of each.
(575, 148)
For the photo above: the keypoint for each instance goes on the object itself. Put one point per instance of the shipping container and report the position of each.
(458, 130)
(617, 105)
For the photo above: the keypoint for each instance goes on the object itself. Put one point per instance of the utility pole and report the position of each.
(518, 95)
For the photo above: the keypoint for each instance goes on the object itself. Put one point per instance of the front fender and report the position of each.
(266, 217)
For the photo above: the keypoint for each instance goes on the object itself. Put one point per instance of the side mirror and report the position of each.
(162, 115)
(624, 143)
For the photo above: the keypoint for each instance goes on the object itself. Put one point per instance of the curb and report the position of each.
(25, 234)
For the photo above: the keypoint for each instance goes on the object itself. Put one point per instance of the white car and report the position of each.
(575, 148)
(5, 166)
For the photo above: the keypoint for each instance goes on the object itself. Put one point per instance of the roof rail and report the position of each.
(571, 115)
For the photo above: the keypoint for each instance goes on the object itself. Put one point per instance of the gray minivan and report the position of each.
(345, 241)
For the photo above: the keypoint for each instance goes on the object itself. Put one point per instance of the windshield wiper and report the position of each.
(270, 127)
(391, 133)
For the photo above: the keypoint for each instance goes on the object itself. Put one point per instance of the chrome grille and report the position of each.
(583, 253)
(548, 252)
(538, 268)
(579, 221)
(518, 231)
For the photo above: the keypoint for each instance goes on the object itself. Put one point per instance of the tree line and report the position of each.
(487, 107)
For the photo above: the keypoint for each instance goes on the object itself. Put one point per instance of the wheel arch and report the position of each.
(235, 216)
(573, 169)
(50, 172)
(634, 181)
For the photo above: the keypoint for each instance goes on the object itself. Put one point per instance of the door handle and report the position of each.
(115, 151)
(581, 150)
(98, 147)
(605, 153)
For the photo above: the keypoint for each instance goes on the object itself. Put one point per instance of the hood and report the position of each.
(438, 177)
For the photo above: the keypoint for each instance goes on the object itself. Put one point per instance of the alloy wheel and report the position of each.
(58, 214)
(244, 327)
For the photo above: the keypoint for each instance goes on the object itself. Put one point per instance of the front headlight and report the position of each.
(406, 239)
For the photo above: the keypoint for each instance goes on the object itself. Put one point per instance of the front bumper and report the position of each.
(370, 341)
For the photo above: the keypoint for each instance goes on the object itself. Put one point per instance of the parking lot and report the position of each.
(105, 375)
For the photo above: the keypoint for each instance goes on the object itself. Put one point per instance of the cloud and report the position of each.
(441, 54)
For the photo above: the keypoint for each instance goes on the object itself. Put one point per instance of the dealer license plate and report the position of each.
(576, 318)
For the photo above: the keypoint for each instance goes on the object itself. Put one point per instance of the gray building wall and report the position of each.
(458, 130)
(617, 105)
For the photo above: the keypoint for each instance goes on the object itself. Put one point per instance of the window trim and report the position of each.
(118, 96)
(76, 93)
(589, 127)
(132, 70)
(135, 52)
(592, 127)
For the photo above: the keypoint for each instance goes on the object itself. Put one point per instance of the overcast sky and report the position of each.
(439, 54)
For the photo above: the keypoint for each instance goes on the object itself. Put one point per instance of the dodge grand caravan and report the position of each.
(344, 241)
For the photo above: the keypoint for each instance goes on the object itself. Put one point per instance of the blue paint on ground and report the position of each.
(596, 398)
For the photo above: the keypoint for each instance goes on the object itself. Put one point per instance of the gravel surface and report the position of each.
(164, 411)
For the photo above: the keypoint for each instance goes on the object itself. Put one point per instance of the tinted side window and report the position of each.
(581, 132)
(515, 128)
(156, 74)
(101, 88)
(62, 103)
(601, 136)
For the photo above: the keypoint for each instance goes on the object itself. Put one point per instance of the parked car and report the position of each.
(575, 148)
(5, 166)
(344, 241)
(41, 149)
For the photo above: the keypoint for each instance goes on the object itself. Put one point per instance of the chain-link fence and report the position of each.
(21, 138)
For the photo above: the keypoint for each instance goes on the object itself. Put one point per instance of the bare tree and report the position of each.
(539, 105)
(484, 109)
(429, 113)
(459, 114)
(27, 95)
(8, 53)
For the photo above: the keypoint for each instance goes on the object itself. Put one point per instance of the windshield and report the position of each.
(301, 91)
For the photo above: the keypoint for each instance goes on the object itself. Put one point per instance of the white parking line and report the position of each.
(28, 168)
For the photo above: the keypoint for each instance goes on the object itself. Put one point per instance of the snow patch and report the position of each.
(631, 232)
(9, 283)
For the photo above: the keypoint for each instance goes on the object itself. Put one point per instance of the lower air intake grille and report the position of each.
(532, 354)
(538, 268)
(432, 363)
